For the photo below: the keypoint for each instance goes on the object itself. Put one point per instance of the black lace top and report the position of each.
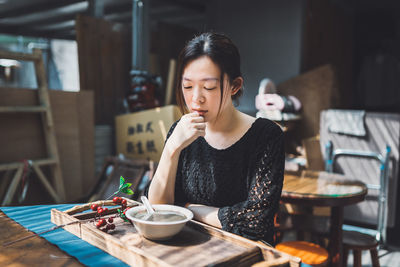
(243, 180)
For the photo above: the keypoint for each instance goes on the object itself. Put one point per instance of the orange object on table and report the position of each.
(309, 253)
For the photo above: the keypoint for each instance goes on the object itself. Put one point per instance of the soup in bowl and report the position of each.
(167, 220)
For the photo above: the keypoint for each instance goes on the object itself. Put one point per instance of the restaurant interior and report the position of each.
(87, 95)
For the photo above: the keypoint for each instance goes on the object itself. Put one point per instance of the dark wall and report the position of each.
(377, 58)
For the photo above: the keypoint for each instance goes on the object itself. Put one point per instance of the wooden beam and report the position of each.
(63, 25)
(13, 186)
(19, 56)
(22, 109)
(16, 165)
(33, 7)
(65, 34)
(54, 20)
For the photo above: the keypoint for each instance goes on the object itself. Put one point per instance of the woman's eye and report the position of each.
(212, 88)
(187, 87)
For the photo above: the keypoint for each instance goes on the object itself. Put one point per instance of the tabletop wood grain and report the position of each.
(35, 251)
(322, 189)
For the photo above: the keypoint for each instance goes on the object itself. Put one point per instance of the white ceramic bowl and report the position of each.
(159, 230)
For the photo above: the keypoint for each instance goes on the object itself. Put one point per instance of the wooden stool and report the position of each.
(357, 242)
(310, 254)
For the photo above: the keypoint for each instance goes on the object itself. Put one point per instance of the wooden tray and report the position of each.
(196, 245)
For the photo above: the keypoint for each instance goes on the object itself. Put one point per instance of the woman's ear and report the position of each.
(236, 85)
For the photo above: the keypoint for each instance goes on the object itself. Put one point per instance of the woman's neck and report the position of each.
(225, 122)
(230, 126)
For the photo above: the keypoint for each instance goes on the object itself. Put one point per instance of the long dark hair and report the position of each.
(221, 50)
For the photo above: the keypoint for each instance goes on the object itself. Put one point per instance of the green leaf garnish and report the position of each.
(127, 191)
(127, 185)
(122, 215)
(121, 181)
(123, 188)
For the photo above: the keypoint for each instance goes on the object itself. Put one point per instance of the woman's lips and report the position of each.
(200, 112)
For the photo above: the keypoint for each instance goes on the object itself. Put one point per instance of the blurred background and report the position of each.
(109, 61)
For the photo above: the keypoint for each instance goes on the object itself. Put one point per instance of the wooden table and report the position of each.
(35, 251)
(125, 244)
(329, 190)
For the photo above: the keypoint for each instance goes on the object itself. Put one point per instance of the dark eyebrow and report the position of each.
(205, 79)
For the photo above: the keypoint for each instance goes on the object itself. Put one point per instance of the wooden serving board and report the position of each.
(196, 245)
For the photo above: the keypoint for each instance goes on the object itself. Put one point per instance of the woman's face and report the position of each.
(201, 88)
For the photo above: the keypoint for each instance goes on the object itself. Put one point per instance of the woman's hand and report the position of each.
(188, 129)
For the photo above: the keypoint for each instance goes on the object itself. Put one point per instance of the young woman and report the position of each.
(224, 165)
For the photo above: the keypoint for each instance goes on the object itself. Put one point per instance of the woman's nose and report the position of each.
(198, 96)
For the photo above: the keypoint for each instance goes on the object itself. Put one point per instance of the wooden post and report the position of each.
(170, 82)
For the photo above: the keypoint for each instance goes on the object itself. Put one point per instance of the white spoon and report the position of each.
(154, 216)
(149, 208)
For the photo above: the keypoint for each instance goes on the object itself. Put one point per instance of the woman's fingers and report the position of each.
(199, 126)
(189, 128)
(193, 121)
(202, 132)
(197, 119)
(194, 117)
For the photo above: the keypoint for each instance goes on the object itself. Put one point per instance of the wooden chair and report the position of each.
(133, 170)
(306, 222)
(310, 254)
(357, 242)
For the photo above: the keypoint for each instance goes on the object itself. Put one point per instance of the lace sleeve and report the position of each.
(254, 217)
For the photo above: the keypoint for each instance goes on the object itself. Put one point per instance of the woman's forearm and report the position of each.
(162, 187)
(187, 130)
(205, 214)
